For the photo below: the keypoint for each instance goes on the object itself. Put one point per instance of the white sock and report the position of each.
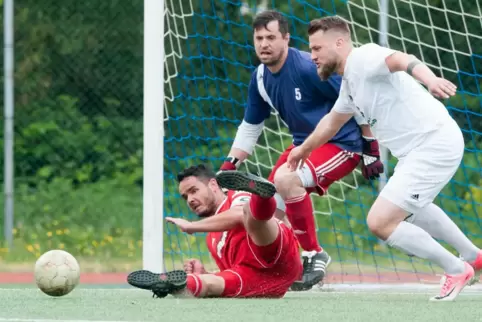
(435, 221)
(416, 241)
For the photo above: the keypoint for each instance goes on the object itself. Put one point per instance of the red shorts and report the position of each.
(328, 164)
(254, 277)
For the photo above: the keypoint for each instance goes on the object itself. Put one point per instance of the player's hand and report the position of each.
(194, 266)
(183, 224)
(297, 157)
(441, 88)
(372, 166)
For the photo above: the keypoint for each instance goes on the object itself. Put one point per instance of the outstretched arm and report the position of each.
(328, 126)
(326, 129)
(221, 222)
(381, 61)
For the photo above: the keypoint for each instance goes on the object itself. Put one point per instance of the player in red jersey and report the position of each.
(258, 255)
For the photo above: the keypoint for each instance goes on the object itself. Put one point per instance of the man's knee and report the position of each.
(287, 183)
(383, 217)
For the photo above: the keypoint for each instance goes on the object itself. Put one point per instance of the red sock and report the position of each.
(194, 284)
(262, 208)
(300, 214)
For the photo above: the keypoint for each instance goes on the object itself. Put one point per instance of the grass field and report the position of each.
(21, 303)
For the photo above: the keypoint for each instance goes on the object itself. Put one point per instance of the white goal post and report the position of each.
(153, 154)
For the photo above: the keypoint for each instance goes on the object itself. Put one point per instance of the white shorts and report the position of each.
(423, 172)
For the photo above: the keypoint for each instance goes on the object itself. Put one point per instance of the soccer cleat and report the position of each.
(237, 180)
(314, 270)
(160, 284)
(453, 285)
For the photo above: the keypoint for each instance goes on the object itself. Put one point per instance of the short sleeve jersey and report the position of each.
(399, 110)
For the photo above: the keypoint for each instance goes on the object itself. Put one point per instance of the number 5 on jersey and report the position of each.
(297, 94)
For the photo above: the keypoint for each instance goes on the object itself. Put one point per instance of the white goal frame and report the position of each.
(153, 154)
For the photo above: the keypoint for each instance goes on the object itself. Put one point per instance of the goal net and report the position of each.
(209, 59)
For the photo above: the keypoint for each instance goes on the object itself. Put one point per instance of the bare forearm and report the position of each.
(220, 222)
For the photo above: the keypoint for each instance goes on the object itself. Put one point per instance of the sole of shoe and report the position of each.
(164, 282)
(236, 180)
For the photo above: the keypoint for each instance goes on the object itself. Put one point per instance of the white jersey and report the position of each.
(399, 110)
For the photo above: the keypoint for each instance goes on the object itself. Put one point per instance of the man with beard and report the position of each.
(257, 254)
(287, 81)
(381, 85)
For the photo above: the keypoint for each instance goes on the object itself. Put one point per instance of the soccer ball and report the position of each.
(57, 273)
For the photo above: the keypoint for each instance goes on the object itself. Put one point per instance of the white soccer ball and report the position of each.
(57, 273)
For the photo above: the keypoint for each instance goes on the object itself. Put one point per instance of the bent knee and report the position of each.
(287, 183)
(375, 225)
(383, 218)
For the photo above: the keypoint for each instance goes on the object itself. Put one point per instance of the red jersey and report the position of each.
(247, 269)
(233, 247)
(224, 246)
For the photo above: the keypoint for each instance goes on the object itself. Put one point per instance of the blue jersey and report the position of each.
(301, 99)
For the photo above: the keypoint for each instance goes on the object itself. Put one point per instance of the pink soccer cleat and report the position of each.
(453, 285)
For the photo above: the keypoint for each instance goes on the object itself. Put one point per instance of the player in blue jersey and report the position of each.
(287, 80)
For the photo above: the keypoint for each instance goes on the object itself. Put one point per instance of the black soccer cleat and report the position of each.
(237, 180)
(314, 270)
(160, 284)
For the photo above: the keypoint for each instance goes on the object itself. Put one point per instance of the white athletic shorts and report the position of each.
(423, 172)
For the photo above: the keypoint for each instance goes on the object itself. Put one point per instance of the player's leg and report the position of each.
(386, 221)
(439, 225)
(178, 283)
(325, 165)
(418, 179)
(258, 220)
(280, 212)
(243, 282)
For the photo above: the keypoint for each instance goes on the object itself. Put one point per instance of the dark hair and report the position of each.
(264, 18)
(200, 171)
(328, 23)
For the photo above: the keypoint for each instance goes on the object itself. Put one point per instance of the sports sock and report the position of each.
(300, 214)
(435, 221)
(416, 241)
(262, 208)
(194, 284)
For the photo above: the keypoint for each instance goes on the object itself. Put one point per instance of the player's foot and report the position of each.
(160, 284)
(237, 180)
(454, 284)
(314, 270)
(476, 264)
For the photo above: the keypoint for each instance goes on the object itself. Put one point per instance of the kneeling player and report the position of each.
(257, 255)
